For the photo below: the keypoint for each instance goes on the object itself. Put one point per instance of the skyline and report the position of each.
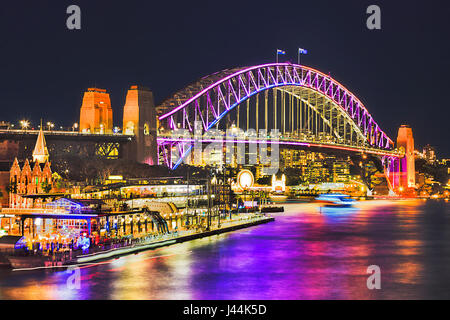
(223, 156)
(166, 57)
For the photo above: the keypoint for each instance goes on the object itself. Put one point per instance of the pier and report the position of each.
(116, 249)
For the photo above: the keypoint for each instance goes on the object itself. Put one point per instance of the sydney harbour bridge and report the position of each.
(307, 107)
(278, 105)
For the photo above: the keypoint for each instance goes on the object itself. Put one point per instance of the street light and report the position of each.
(50, 125)
(24, 124)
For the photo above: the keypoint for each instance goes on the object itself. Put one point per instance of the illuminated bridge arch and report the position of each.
(318, 107)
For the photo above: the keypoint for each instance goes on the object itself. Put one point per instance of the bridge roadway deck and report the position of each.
(63, 135)
(292, 143)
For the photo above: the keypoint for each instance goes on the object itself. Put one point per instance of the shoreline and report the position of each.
(20, 264)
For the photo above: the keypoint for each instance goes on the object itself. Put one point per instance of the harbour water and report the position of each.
(307, 253)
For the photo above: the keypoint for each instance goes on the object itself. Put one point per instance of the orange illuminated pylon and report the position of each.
(96, 114)
(405, 143)
(139, 119)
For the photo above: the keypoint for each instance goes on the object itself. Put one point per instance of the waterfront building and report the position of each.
(33, 178)
(278, 185)
(64, 220)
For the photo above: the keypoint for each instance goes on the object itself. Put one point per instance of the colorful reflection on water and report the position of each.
(307, 253)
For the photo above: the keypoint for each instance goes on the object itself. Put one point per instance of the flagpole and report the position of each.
(300, 52)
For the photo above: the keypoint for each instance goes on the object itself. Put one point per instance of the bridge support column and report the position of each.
(139, 118)
(405, 143)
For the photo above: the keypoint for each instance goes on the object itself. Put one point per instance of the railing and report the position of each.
(32, 210)
(287, 140)
(62, 132)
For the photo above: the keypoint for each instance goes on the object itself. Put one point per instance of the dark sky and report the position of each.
(399, 72)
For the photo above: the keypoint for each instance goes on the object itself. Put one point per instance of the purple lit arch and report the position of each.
(212, 97)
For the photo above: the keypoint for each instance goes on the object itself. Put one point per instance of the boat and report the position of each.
(278, 197)
(336, 200)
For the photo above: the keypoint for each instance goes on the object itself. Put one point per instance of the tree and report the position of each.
(437, 171)
(46, 187)
(57, 180)
(265, 181)
(294, 176)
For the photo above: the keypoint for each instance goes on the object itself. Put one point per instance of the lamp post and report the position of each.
(208, 186)
(24, 124)
(229, 193)
(50, 125)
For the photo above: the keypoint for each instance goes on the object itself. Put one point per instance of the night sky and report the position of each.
(399, 72)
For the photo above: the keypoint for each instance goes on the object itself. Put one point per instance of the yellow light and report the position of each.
(24, 124)
(112, 177)
(245, 179)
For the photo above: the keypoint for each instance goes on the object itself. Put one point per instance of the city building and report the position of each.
(446, 162)
(278, 185)
(33, 178)
(341, 171)
(429, 153)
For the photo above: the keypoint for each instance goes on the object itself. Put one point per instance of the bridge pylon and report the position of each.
(139, 119)
(405, 143)
(96, 115)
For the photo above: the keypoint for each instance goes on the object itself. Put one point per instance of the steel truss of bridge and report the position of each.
(306, 106)
(61, 143)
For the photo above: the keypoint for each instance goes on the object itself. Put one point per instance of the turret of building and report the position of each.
(96, 114)
(405, 143)
(139, 119)
(40, 152)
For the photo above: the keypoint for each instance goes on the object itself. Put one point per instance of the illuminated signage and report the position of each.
(245, 179)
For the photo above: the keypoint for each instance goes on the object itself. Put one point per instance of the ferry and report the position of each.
(338, 200)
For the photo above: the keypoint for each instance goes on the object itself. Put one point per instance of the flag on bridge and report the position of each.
(279, 52)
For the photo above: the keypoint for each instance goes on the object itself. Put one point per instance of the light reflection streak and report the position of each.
(302, 255)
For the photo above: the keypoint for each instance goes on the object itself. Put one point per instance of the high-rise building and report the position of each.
(429, 153)
(96, 114)
(291, 158)
(341, 171)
